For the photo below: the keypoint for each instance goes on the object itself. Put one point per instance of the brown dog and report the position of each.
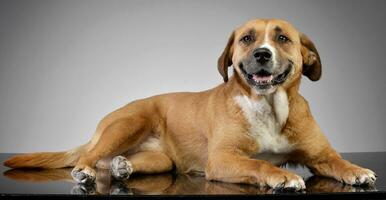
(236, 132)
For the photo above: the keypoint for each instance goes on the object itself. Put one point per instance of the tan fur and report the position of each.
(207, 132)
(46, 159)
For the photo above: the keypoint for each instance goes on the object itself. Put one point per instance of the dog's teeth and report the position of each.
(263, 82)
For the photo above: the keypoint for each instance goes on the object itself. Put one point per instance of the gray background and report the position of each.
(66, 64)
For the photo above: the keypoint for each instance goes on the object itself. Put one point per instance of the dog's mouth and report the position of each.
(264, 79)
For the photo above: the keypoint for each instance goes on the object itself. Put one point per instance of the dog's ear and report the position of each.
(312, 67)
(225, 60)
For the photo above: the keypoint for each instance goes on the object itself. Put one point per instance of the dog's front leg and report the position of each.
(314, 150)
(329, 163)
(316, 153)
(235, 168)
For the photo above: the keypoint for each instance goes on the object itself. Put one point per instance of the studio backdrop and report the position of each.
(66, 64)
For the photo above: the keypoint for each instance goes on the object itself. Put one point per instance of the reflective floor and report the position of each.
(59, 181)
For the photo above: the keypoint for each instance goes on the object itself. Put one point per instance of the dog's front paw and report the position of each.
(121, 168)
(284, 180)
(355, 175)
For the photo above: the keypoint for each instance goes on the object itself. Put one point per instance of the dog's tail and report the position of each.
(46, 159)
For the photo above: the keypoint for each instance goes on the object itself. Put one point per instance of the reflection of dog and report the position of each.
(236, 132)
(167, 184)
(318, 184)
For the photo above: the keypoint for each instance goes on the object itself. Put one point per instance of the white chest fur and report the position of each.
(266, 117)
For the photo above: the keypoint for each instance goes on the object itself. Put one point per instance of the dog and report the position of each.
(239, 132)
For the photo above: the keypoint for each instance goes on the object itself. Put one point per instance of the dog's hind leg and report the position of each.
(145, 162)
(119, 136)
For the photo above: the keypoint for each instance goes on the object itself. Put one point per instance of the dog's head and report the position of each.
(267, 53)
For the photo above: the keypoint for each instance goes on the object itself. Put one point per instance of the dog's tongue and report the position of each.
(262, 78)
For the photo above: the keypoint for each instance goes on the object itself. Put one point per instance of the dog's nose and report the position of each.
(262, 55)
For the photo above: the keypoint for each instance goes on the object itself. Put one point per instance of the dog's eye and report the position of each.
(247, 39)
(282, 38)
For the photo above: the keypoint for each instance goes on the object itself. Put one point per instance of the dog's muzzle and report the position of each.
(263, 79)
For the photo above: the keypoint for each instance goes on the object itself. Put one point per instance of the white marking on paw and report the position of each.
(366, 178)
(297, 184)
(84, 176)
(121, 168)
(363, 176)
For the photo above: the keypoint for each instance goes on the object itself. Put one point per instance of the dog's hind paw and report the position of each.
(121, 168)
(84, 175)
